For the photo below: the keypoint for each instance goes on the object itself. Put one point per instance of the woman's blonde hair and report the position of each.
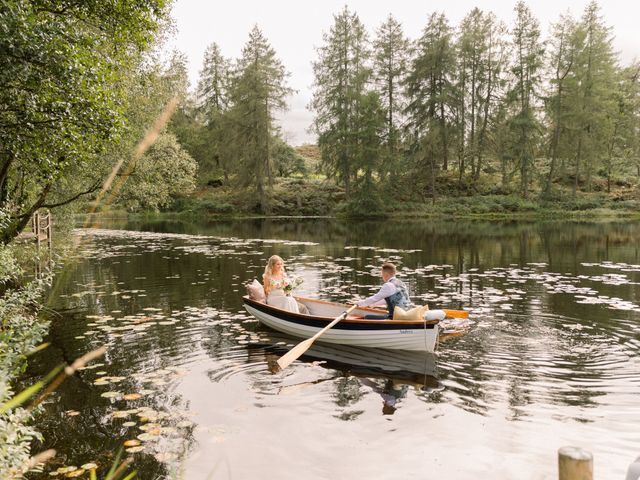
(268, 270)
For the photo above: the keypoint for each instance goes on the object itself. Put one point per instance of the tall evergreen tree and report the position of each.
(561, 64)
(258, 90)
(594, 103)
(341, 75)
(390, 56)
(430, 95)
(213, 102)
(623, 149)
(528, 59)
(481, 56)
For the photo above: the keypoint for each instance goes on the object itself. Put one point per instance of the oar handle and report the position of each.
(339, 318)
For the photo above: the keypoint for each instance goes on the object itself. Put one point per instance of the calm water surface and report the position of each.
(549, 357)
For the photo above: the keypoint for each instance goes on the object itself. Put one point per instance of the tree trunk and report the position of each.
(17, 224)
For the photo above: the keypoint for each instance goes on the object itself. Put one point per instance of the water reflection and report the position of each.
(388, 373)
(551, 347)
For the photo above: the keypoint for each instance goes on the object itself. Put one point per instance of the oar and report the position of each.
(303, 346)
(456, 313)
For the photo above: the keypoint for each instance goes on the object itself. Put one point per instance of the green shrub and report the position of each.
(20, 331)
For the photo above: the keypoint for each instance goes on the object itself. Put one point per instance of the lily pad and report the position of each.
(75, 473)
(147, 436)
(111, 394)
(135, 449)
(132, 396)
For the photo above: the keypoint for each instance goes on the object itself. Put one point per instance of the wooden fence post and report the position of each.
(574, 464)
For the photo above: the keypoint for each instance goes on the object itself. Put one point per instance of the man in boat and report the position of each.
(394, 293)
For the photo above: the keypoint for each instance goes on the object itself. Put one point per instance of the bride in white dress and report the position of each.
(274, 279)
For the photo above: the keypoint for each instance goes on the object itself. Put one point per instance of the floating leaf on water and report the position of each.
(72, 413)
(132, 396)
(131, 443)
(147, 436)
(129, 424)
(89, 466)
(120, 414)
(111, 394)
(149, 426)
(75, 473)
(135, 449)
(67, 469)
(53, 474)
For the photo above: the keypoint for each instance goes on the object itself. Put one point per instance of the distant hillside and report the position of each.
(311, 155)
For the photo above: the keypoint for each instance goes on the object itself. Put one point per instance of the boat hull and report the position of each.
(388, 334)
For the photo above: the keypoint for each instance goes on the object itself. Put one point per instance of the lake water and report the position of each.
(548, 358)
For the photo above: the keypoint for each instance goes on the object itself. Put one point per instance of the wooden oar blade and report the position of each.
(456, 313)
(293, 354)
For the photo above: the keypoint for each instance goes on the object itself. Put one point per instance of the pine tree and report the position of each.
(257, 91)
(480, 51)
(213, 102)
(390, 52)
(624, 142)
(430, 95)
(561, 60)
(594, 103)
(341, 75)
(528, 57)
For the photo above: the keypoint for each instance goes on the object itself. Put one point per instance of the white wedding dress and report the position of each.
(277, 298)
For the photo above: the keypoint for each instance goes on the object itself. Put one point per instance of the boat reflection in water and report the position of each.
(390, 373)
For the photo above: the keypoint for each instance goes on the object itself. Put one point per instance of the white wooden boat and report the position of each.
(417, 335)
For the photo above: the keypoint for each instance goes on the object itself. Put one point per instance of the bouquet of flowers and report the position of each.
(290, 285)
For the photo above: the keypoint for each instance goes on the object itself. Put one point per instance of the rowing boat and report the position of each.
(417, 335)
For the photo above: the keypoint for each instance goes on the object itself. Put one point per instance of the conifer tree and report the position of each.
(258, 90)
(341, 75)
(430, 96)
(213, 102)
(390, 56)
(528, 58)
(481, 58)
(594, 104)
(561, 64)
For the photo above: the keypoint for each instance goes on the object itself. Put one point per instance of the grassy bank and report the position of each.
(318, 197)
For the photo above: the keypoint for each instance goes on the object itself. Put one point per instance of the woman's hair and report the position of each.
(268, 270)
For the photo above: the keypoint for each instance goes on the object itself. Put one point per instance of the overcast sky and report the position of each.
(295, 28)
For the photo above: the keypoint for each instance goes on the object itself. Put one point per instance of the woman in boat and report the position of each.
(274, 280)
(394, 293)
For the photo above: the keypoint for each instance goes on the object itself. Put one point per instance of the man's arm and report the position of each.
(385, 291)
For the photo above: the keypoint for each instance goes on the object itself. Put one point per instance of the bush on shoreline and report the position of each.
(20, 331)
